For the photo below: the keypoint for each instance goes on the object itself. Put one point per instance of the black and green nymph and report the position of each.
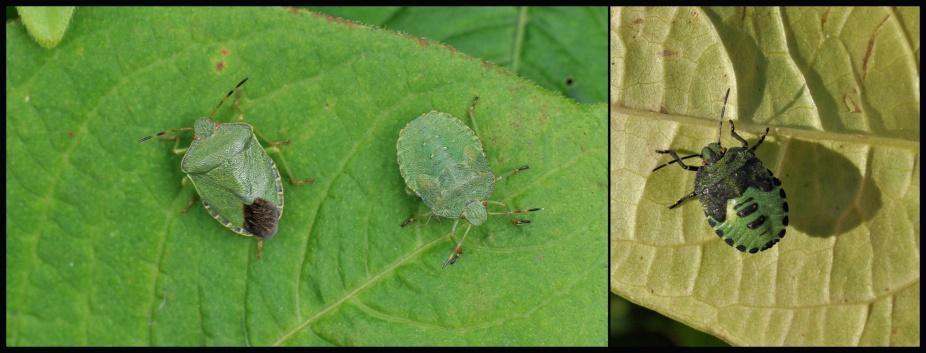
(743, 201)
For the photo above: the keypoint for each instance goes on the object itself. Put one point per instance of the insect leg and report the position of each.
(190, 204)
(457, 250)
(512, 172)
(292, 180)
(212, 114)
(411, 219)
(176, 150)
(678, 160)
(472, 114)
(272, 147)
(516, 222)
(683, 199)
(673, 161)
(753, 148)
(737, 136)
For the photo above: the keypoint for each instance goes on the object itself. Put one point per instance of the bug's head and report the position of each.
(475, 212)
(203, 127)
(712, 152)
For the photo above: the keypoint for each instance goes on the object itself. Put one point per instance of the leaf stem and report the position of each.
(518, 39)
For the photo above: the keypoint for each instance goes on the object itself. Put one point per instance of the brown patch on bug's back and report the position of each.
(261, 218)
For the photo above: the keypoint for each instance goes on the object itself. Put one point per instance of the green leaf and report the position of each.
(839, 88)
(98, 252)
(560, 48)
(46, 24)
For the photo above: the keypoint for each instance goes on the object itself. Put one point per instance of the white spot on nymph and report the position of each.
(731, 211)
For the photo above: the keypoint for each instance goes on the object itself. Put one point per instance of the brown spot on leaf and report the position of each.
(823, 18)
(219, 66)
(667, 52)
(70, 134)
(663, 109)
(224, 52)
(871, 45)
(423, 42)
(452, 50)
(637, 20)
(293, 10)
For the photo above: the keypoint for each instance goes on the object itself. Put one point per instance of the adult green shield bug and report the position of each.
(442, 161)
(743, 201)
(238, 183)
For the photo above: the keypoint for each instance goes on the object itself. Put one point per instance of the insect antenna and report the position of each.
(722, 111)
(226, 97)
(165, 132)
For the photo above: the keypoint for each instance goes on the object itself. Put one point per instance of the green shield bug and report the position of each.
(743, 201)
(443, 163)
(238, 183)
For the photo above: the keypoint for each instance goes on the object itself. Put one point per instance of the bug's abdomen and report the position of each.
(755, 221)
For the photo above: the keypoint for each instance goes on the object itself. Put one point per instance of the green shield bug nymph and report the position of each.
(238, 183)
(743, 201)
(442, 162)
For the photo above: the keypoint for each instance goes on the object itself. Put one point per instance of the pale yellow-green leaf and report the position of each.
(46, 24)
(839, 88)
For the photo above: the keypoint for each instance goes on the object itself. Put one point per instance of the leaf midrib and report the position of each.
(810, 135)
(353, 293)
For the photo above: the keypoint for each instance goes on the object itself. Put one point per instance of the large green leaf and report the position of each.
(839, 88)
(561, 48)
(98, 252)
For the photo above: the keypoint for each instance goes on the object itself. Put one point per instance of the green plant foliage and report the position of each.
(46, 24)
(839, 88)
(560, 48)
(98, 252)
